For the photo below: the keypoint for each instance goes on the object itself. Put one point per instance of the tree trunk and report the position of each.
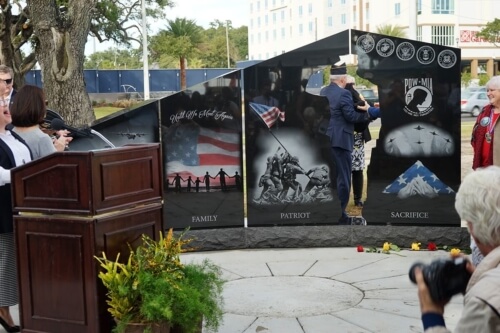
(183, 73)
(62, 35)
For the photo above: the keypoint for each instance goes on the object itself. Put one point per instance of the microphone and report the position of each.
(58, 124)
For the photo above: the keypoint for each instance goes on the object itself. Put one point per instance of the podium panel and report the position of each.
(74, 206)
(89, 183)
(59, 288)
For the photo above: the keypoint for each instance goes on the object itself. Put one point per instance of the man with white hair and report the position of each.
(477, 202)
(341, 132)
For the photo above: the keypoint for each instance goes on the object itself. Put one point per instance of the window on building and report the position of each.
(258, 5)
(258, 37)
(274, 17)
(300, 11)
(265, 4)
(251, 8)
(311, 26)
(367, 14)
(343, 19)
(282, 16)
(283, 32)
(251, 23)
(274, 34)
(443, 35)
(258, 22)
(330, 21)
(342, 2)
(310, 8)
(419, 6)
(397, 9)
(301, 29)
(330, 3)
(267, 36)
(354, 17)
(266, 21)
(419, 33)
(443, 6)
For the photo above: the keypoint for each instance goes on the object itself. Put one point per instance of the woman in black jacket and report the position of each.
(13, 152)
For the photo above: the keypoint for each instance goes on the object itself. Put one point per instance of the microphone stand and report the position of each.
(103, 138)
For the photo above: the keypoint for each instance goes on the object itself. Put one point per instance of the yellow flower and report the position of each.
(415, 246)
(386, 247)
(455, 252)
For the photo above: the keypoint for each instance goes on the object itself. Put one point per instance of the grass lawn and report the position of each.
(104, 111)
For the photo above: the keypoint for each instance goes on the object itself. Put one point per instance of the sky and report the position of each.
(201, 11)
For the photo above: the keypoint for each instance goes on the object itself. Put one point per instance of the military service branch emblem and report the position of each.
(405, 51)
(447, 59)
(426, 55)
(365, 43)
(385, 47)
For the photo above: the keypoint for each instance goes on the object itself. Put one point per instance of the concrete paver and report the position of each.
(319, 290)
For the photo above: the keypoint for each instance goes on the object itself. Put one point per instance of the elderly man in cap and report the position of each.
(341, 132)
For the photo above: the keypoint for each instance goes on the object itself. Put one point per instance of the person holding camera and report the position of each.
(477, 202)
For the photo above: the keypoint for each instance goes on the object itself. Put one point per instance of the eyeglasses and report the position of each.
(7, 81)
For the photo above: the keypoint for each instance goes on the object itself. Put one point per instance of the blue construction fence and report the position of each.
(132, 80)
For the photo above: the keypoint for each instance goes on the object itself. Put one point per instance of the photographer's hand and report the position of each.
(427, 305)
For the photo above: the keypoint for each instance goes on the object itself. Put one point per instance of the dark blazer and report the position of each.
(342, 116)
(7, 161)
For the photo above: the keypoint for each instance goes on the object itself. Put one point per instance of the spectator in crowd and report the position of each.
(7, 76)
(484, 142)
(477, 202)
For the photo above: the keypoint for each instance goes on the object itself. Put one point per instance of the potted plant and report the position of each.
(155, 291)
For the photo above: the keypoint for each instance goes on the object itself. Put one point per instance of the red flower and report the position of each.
(360, 249)
(431, 246)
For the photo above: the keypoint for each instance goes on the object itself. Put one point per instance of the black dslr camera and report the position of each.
(444, 277)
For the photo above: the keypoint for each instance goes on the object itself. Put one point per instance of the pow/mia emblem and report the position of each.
(447, 59)
(405, 51)
(385, 47)
(426, 55)
(366, 43)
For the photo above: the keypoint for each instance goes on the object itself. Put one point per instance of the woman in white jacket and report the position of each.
(477, 202)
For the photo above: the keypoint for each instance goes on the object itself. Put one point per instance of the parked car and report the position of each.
(369, 96)
(476, 89)
(473, 102)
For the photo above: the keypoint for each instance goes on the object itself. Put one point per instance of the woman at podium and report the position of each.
(13, 152)
(28, 112)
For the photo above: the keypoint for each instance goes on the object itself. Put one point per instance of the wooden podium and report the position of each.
(74, 205)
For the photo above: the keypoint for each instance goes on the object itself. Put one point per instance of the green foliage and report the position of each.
(491, 32)
(120, 20)
(465, 78)
(153, 286)
(391, 30)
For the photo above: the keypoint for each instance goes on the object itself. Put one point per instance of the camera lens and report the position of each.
(412, 271)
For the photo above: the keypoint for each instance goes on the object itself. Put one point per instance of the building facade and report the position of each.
(278, 26)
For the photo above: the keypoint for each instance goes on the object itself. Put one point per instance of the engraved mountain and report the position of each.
(420, 181)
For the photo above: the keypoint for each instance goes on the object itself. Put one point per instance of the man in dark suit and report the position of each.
(341, 132)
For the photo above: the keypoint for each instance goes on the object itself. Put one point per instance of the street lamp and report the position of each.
(145, 52)
(227, 43)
